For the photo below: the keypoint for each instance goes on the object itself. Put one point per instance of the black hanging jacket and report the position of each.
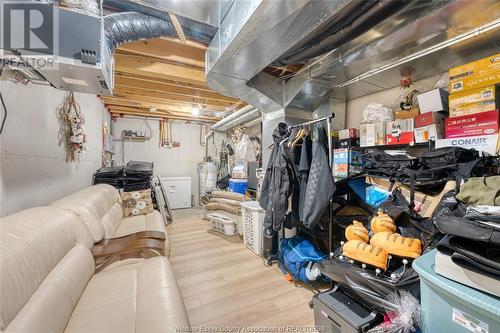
(279, 182)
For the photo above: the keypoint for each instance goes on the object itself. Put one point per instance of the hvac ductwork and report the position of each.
(121, 28)
(368, 45)
(245, 114)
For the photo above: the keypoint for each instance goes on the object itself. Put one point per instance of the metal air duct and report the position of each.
(244, 114)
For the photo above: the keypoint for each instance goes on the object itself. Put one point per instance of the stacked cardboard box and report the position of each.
(474, 104)
(347, 155)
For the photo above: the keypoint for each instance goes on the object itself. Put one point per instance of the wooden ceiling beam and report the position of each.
(132, 93)
(167, 50)
(160, 87)
(158, 114)
(146, 103)
(135, 65)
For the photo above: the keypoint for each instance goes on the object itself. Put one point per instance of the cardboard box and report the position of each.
(476, 74)
(473, 108)
(348, 143)
(474, 101)
(349, 133)
(473, 96)
(429, 118)
(429, 132)
(484, 123)
(375, 134)
(412, 113)
(346, 162)
(433, 101)
(486, 143)
(400, 132)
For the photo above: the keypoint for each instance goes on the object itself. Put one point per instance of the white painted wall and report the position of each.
(175, 162)
(33, 167)
(355, 107)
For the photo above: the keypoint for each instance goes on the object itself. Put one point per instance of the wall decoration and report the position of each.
(71, 127)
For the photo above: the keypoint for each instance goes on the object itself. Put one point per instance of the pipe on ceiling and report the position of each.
(244, 112)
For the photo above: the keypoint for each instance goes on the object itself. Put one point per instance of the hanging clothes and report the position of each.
(320, 184)
(224, 175)
(303, 172)
(280, 180)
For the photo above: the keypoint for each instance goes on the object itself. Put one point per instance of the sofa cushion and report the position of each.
(150, 222)
(45, 264)
(140, 296)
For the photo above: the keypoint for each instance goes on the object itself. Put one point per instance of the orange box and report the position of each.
(476, 74)
(412, 113)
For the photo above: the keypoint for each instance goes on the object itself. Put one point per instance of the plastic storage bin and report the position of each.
(238, 185)
(253, 225)
(222, 224)
(448, 306)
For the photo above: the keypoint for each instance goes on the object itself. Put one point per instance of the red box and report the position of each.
(428, 118)
(400, 132)
(483, 123)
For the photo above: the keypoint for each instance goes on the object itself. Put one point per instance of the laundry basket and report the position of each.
(253, 225)
(222, 224)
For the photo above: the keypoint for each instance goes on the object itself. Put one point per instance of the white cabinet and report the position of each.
(178, 190)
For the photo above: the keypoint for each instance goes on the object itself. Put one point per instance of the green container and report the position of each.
(451, 307)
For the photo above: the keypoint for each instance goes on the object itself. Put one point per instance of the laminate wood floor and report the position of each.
(225, 285)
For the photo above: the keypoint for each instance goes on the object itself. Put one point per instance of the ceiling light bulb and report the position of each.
(195, 111)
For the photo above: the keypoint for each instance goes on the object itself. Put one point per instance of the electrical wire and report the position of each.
(5, 113)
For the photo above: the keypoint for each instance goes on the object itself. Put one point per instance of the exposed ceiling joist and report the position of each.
(136, 65)
(148, 103)
(133, 93)
(158, 114)
(167, 50)
(159, 87)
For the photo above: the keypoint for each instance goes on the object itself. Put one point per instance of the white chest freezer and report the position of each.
(178, 190)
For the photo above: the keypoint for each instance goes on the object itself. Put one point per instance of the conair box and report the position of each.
(400, 132)
(477, 74)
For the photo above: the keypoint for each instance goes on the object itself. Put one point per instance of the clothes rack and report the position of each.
(329, 135)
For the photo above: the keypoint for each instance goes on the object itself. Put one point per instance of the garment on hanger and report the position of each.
(280, 180)
(303, 172)
(320, 184)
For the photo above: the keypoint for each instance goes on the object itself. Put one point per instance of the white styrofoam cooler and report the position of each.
(253, 225)
(223, 224)
(178, 190)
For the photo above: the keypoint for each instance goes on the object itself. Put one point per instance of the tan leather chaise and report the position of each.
(99, 208)
(48, 284)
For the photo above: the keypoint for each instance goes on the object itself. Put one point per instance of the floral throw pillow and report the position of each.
(137, 203)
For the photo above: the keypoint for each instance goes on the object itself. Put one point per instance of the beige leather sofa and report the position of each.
(48, 281)
(99, 208)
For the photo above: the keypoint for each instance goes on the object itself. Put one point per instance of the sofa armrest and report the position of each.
(138, 235)
(104, 255)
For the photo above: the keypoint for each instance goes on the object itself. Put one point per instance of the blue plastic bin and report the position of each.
(238, 185)
(451, 307)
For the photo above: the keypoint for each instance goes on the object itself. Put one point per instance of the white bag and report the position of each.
(375, 112)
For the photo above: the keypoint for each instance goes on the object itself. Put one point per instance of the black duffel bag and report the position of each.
(450, 219)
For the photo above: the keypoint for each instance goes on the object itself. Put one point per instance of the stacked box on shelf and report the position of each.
(429, 126)
(399, 132)
(372, 134)
(347, 155)
(474, 104)
(481, 73)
